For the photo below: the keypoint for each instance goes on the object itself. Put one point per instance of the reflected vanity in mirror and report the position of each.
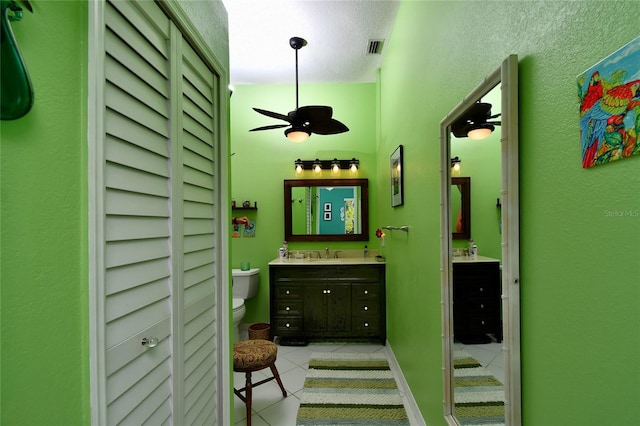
(461, 208)
(483, 282)
(326, 210)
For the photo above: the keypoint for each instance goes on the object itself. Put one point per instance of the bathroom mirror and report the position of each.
(326, 210)
(461, 208)
(505, 80)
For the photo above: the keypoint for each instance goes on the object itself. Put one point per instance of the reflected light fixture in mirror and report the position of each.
(480, 131)
(335, 166)
(317, 166)
(455, 164)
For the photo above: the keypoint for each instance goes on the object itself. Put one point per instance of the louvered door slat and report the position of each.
(124, 302)
(127, 154)
(201, 84)
(120, 253)
(197, 178)
(132, 180)
(197, 226)
(197, 242)
(197, 98)
(130, 204)
(195, 112)
(192, 126)
(157, 399)
(149, 21)
(135, 228)
(126, 130)
(197, 210)
(199, 274)
(120, 329)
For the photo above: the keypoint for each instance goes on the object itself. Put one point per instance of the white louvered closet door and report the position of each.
(159, 213)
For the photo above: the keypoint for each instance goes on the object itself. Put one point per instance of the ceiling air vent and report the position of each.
(375, 47)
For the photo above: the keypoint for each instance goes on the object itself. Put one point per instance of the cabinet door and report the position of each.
(327, 308)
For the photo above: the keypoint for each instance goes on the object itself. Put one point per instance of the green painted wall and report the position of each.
(580, 273)
(262, 160)
(45, 357)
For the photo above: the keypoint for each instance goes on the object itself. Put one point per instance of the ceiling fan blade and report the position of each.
(495, 123)
(328, 127)
(271, 114)
(273, 126)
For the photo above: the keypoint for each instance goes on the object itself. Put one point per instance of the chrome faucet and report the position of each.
(326, 252)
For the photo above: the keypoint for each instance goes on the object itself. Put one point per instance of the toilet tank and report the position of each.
(245, 283)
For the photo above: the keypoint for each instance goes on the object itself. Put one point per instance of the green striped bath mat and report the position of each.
(478, 396)
(350, 389)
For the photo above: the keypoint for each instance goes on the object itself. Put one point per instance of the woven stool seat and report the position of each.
(253, 354)
(250, 356)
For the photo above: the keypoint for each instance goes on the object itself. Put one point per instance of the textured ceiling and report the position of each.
(337, 33)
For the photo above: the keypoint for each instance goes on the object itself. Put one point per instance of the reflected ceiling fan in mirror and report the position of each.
(474, 123)
(305, 120)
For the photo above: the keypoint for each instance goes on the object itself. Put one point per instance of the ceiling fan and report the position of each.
(474, 124)
(305, 120)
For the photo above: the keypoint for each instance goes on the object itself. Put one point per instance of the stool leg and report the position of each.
(248, 396)
(274, 370)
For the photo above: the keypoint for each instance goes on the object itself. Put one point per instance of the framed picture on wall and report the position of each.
(397, 182)
(327, 207)
(327, 215)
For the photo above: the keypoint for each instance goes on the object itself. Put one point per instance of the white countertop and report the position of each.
(472, 259)
(331, 261)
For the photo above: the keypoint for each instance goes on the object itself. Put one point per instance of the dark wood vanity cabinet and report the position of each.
(328, 302)
(476, 301)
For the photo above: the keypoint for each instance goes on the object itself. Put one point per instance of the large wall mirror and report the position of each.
(326, 210)
(500, 272)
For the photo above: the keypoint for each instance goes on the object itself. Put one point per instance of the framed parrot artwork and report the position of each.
(609, 95)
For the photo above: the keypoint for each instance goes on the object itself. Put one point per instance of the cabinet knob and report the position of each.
(481, 289)
(366, 292)
(151, 342)
(482, 322)
(482, 306)
(366, 308)
(366, 324)
(326, 291)
(287, 325)
(286, 292)
(287, 308)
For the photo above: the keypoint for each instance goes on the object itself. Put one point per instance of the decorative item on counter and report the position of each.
(246, 203)
(233, 203)
(380, 235)
(285, 246)
(245, 265)
(473, 248)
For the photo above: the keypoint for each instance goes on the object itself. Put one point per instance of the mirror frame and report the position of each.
(507, 76)
(364, 209)
(465, 192)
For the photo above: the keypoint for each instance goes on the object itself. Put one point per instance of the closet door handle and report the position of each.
(150, 342)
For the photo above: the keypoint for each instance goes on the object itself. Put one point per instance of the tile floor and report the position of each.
(488, 355)
(271, 409)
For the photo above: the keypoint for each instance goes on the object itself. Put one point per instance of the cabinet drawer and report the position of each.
(288, 307)
(365, 291)
(365, 325)
(365, 307)
(288, 324)
(288, 292)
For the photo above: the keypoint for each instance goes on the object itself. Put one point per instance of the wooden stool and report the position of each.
(250, 356)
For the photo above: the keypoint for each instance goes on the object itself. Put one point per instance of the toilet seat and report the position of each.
(238, 303)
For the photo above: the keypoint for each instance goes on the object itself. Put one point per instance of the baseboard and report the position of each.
(415, 416)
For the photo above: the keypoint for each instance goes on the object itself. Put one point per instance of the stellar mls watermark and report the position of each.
(622, 213)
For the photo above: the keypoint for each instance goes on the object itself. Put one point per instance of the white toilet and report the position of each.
(244, 286)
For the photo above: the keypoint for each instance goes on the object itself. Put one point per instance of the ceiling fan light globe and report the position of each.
(297, 135)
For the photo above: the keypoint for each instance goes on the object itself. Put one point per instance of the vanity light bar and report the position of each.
(353, 164)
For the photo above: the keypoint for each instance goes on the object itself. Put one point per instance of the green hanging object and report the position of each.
(16, 91)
